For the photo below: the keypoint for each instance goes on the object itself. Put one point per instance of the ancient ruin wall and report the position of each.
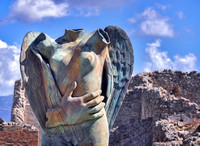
(18, 106)
(181, 84)
(171, 99)
(20, 131)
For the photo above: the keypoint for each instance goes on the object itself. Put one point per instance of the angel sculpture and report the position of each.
(76, 83)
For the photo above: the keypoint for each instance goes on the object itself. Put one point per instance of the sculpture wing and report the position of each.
(119, 68)
(37, 78)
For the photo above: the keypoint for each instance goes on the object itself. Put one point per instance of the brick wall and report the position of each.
(21, 130)
(18, 134)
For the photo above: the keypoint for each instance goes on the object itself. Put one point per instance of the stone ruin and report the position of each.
(23, 128)
(160, 109)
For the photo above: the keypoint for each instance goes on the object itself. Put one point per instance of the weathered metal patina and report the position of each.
(76, 83)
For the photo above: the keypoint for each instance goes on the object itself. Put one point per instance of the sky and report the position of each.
(165, 34)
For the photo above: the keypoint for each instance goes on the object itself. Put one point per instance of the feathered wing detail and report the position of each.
(119, 67)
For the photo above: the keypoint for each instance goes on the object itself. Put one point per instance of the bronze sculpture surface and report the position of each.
(76, 83)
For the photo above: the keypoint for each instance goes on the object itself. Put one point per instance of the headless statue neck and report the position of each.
(74, 34)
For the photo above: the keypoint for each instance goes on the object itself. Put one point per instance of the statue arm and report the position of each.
(55, 117)
(75, 110)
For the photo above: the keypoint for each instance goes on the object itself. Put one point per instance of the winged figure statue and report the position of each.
(76, 83)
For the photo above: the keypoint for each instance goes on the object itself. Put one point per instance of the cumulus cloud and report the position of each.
(186, 63)
(9, 67)
(35, 10)
(3, 44)
(153, 23)
(159, 60)
(28, 11)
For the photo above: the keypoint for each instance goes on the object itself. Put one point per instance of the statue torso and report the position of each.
(70, 64)
(81, 60)
(76, 56)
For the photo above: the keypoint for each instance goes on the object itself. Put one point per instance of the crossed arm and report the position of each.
(75, 110)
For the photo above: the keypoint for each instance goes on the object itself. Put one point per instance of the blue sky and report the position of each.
(165, 34)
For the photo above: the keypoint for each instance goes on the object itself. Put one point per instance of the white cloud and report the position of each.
(158, 60)
(35, 10)
(180, 15)
(9, 71)
(3, 44)
(155, 24)
(28, 11)
(186, 63)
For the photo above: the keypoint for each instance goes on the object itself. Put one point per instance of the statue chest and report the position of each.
(83, 67)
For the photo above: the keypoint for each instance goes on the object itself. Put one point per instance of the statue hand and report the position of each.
(76, 110)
